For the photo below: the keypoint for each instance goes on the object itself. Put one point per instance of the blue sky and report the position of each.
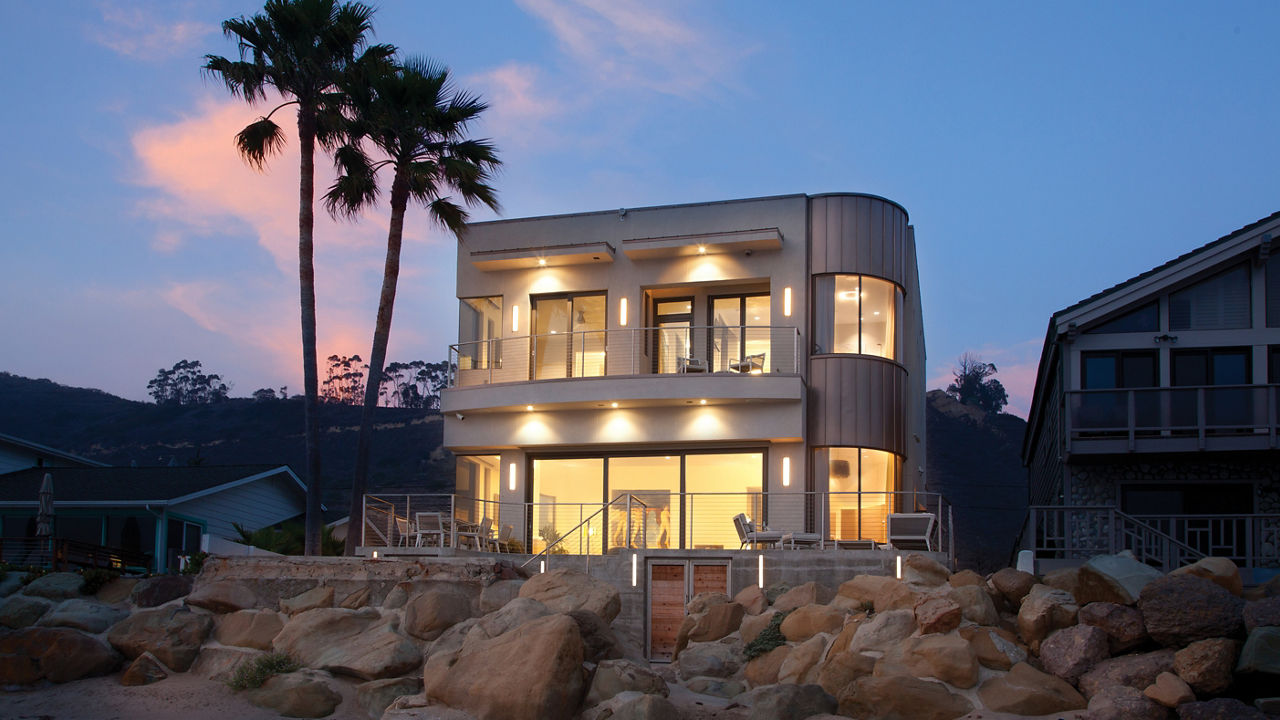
(1044, 150)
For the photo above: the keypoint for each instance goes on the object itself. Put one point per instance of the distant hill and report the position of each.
(406, 452)
(975, 461)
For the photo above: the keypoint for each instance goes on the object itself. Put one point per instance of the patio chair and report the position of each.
(503, 543)
(748, 534)
(749, 364)
(428, 525)
(690, 365)
(911, 531)
(481, 536)
(855, 544)
(401, 528)
(792, 540)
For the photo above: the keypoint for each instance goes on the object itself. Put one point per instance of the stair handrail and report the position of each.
(630, 500)
(1162, 535)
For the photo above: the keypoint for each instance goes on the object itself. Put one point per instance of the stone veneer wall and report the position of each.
(1099, 484)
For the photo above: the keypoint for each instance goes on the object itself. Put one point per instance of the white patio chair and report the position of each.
(911, 531)
(429, 525)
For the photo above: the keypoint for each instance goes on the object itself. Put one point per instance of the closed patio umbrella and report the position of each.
(44, 518)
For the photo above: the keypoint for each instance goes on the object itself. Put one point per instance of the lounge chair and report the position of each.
(748, 534)
(690, 365)
(911, 531)
(428, 525)
(749, 364)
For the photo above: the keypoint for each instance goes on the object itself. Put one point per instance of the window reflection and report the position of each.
(856, 314)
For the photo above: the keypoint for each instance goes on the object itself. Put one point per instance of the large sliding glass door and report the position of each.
(569, 336)
(739, 333)
(861, 485)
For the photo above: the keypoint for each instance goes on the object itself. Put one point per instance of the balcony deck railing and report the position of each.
(653, 520)
(626, 351)
(1234, 416)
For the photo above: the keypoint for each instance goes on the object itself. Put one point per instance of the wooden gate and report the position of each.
(672, 584)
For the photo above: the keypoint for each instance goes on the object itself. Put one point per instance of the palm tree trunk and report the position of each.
(378, 355)
(307, 288)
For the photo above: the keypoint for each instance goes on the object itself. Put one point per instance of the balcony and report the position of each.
(736, 350)
(1177, 419)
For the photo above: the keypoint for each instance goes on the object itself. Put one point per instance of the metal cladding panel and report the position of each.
(858, 234)
(858, 401)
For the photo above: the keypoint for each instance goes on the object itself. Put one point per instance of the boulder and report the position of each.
(1270, 588)
(901, 697)
(317, 597)
(84, 614)
(705, 600)
(415, 707)
(860, 593)
(1135, 671)
(10, 583)
(1261, 613)
(1064, 579)
(975, 604)
(719, 687)
(249, 628)
(1169, 690)
(223, 596)
(801, 664)
(842, 668)
(55, 586)
(753, 624)
(1261, 652)
(452, 640)
(546, 682)
(810, 593)
(563, 590)
(790, 702)
(356, 599)
(220, 663)
(1207, 665)
(158, 590)
(359, 643)
(495, 596)
(713, 659)
(116, 590)
(995, 648)
(945, 657)
(936, 614)
(1124, 703)
(966, 578)
(1181, 609)
(55, 654)
(1222, 571)
(19, 611)
(751, 598)
(173, 634)
(598, 640)
(629, 706)
(1071, 652)
(1013, 585)
(397, 596)
(1123, 624)
(304, 694)
(507, 618)
(844, 638)
(1115, 578)
(1027, 691)
(1219, 709)
(923, 571)
(895, 595)
(883, 631)
(775, 591)
(431, 612)
(616, 676)
(763, 669)
(716, 621)
(376, 695)
(809, 620)
(1044, 609)
(145, 670)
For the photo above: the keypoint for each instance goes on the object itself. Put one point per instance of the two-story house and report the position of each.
(1153, 424)
(685, 364)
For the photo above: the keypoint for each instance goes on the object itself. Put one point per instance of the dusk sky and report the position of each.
(1045, 151)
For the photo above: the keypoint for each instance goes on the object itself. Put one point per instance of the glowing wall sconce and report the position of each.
(515, 318)
(511, 476)
(375, 554)
(761, 571)
(786, 472)
(786, 301)
(898, 569)
(622, 312)
(542, 566)
(634, 563)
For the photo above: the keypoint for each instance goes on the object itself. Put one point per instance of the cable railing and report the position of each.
(673, 350)
(654, 520)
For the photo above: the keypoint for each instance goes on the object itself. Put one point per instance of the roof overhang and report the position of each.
(526, 258)
(702, 244)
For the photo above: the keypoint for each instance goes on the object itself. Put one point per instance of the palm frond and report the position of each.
(258, 141)
(356, 186)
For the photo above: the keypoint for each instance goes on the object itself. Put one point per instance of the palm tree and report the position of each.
(300, 48)
(416, 121)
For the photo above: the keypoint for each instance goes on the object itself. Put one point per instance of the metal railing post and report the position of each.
(364, 519)
(629, 535)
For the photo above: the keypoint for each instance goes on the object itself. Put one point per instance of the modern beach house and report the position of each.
(1153, 424)
(641, 377)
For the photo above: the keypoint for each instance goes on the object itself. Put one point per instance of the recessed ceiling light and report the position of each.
(542, 262)
(613, 404)
(528, 407)
(702, 402)
(702, 249)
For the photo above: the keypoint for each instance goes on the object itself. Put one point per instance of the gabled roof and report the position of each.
(1182, 259)
(119, 486)
(46, 450)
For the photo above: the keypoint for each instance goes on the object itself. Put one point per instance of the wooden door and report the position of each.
(667, 588)
(710, 578)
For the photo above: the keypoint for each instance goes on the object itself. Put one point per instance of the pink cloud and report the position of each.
(1016, 367)
(518, 106)
(139, 32)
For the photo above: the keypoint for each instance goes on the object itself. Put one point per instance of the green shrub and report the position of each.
(253, 673)
(769, 638)
(195, 563)
(288, 538)
(33, 572)
(95, 578)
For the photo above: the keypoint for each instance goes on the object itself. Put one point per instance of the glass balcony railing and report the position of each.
(675, 350)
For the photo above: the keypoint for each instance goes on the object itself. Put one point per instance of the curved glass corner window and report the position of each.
(857, 314)
(861, 491)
